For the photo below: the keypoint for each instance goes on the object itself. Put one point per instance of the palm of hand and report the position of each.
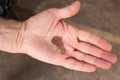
(40, 30)
(40, 33)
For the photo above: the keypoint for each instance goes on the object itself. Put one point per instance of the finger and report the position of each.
(68, 11)
(90, 59)
(94, 51)
(58, 58)
(91, 38)
(78, 65)
(70, 63)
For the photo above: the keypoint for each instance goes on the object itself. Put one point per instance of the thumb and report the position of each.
(69, 11)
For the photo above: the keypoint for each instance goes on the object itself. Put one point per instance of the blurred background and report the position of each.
(102, 17)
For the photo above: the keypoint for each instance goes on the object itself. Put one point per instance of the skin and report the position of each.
(33, 37)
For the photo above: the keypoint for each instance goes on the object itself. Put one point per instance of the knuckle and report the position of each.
(70, 63)
(53, 11)
(89, 35)
(80, 55)
(89, 48)
(82, 66)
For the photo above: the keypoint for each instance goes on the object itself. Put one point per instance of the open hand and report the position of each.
(84, 51)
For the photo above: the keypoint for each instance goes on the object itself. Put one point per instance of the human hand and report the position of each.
(84, 51)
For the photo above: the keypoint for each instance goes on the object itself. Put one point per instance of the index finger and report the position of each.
(95, 40)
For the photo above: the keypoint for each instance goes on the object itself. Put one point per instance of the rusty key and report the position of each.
(58, 42)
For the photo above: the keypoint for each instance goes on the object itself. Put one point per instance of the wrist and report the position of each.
(11, 35)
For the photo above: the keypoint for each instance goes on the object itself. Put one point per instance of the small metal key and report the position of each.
(58, 42)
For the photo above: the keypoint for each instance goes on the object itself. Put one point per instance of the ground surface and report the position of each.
(100, 16)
